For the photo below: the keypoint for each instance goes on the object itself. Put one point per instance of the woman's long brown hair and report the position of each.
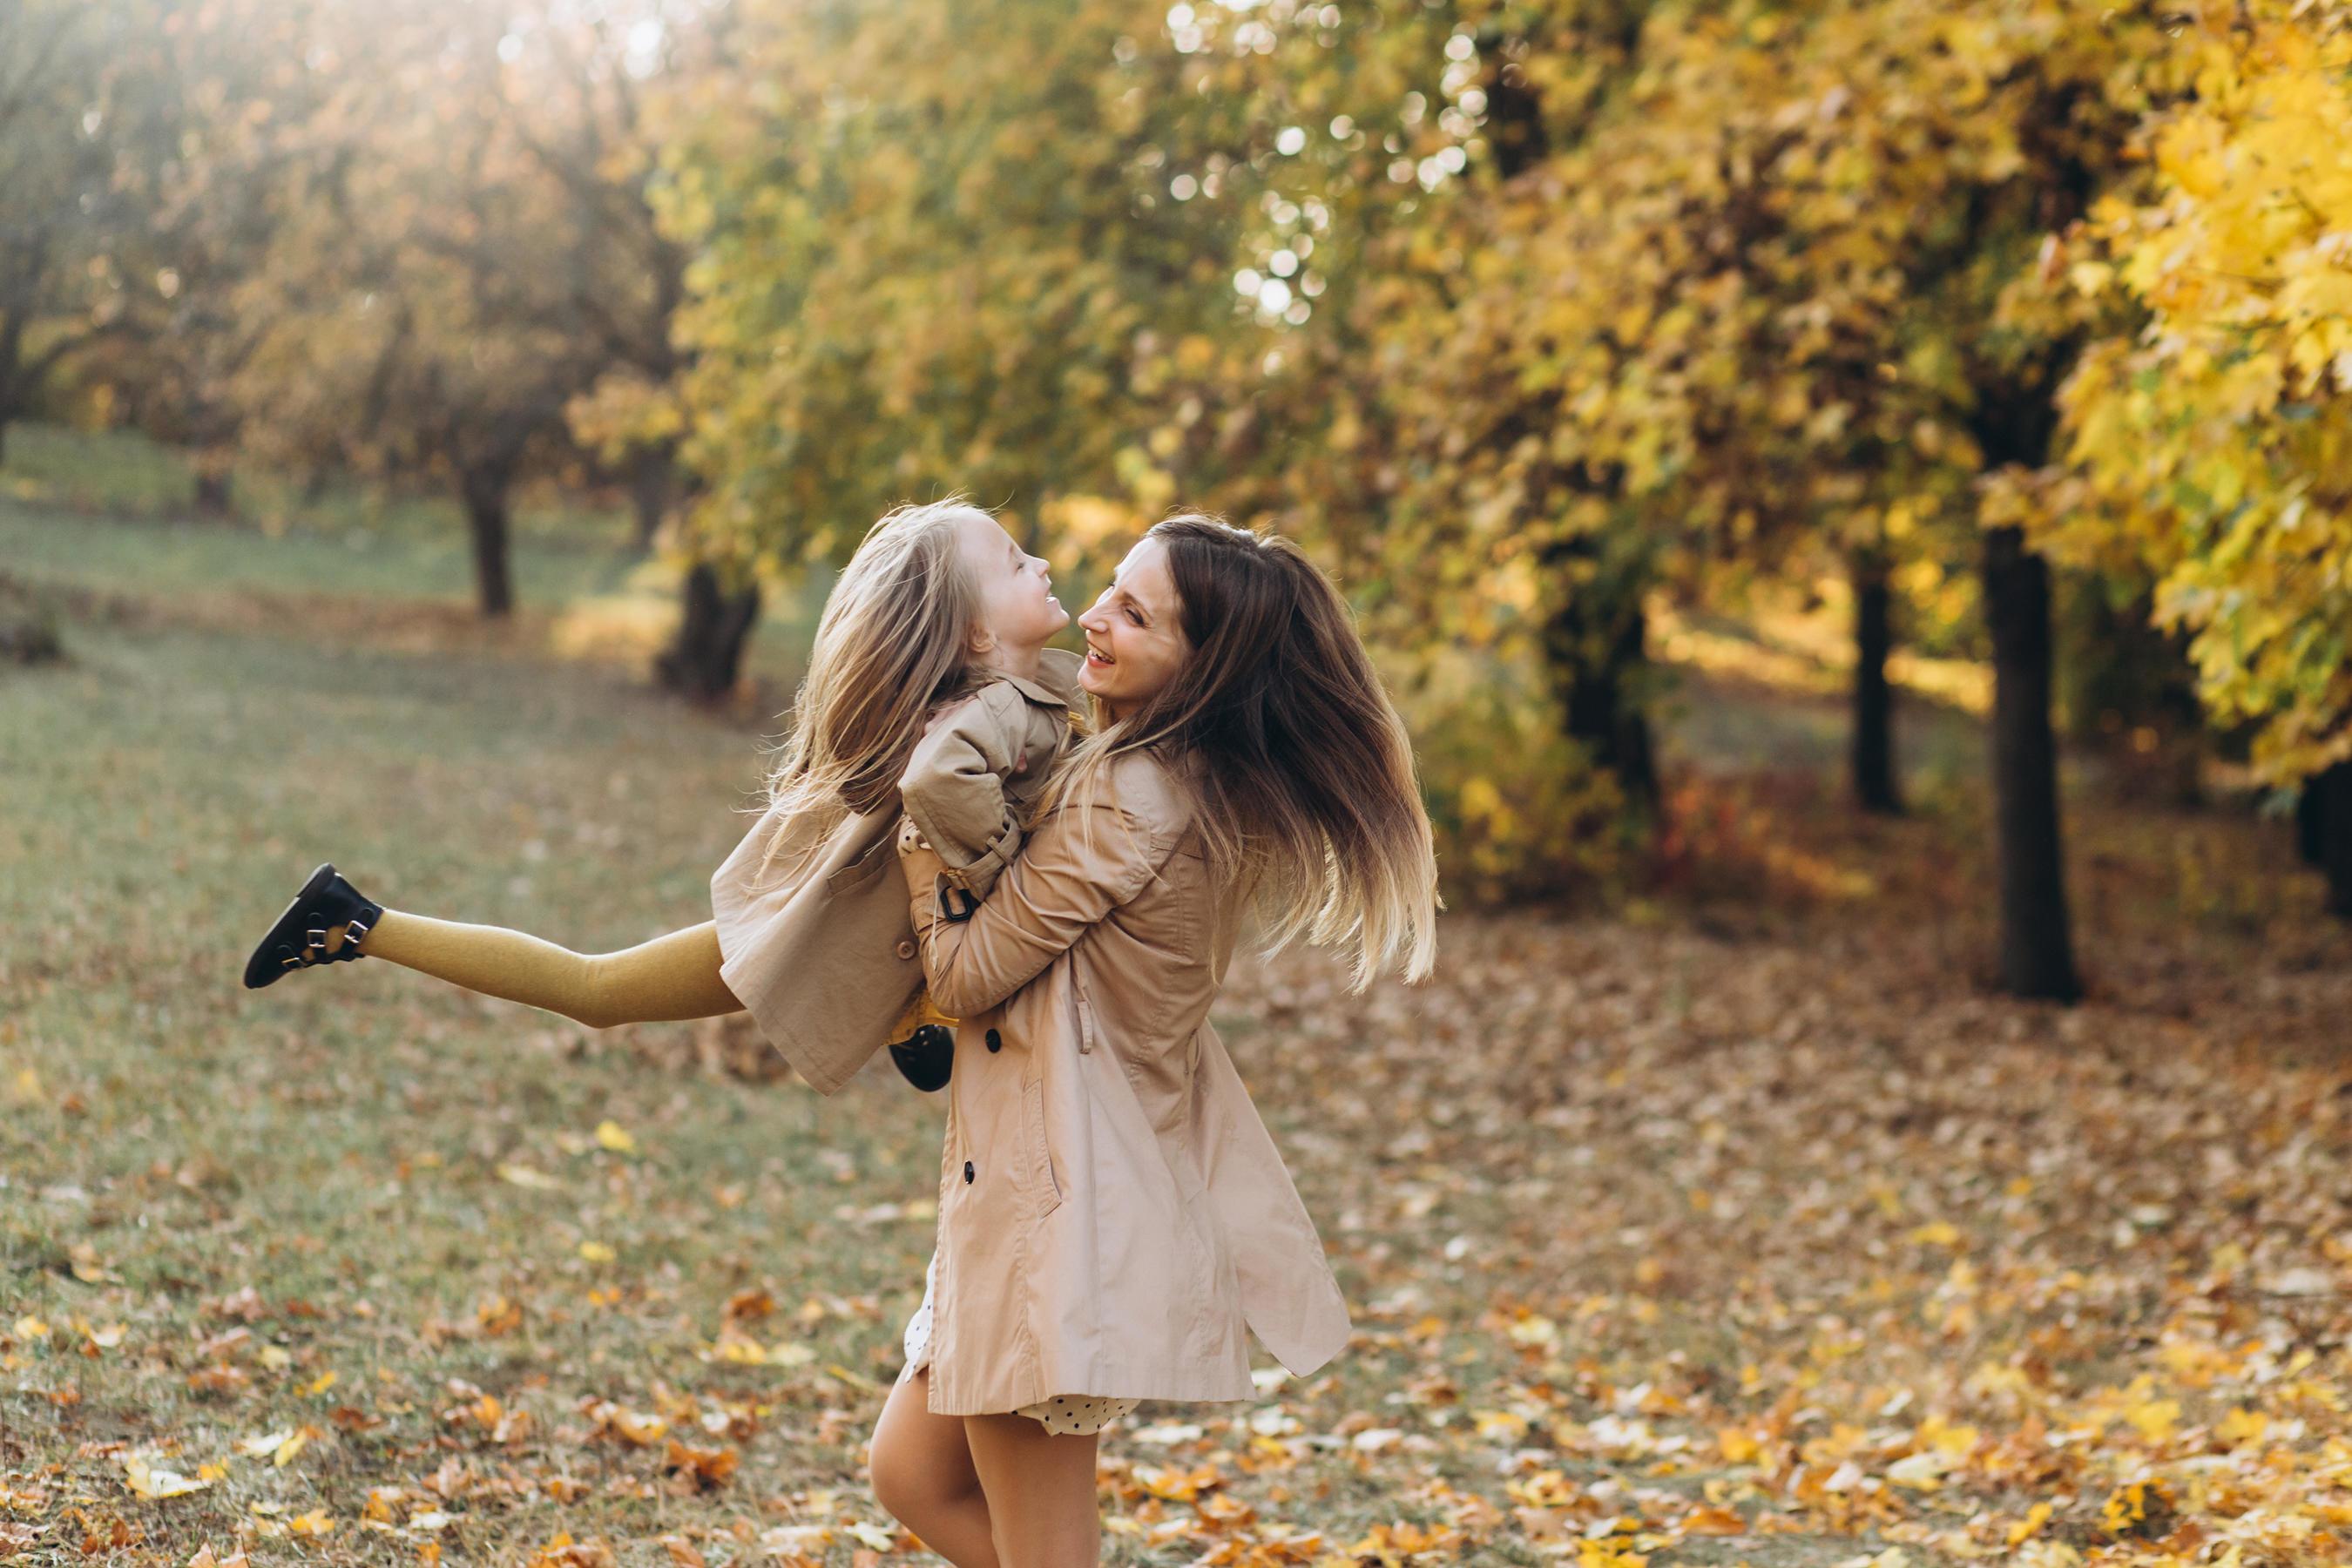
(1308, 798)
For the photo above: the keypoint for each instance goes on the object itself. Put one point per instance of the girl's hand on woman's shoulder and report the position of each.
(913, 848)
(919, 863)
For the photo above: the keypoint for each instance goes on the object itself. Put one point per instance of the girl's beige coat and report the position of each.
(1113, 1214)
(822, 955)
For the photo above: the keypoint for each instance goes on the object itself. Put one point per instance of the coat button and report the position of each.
(967, 1172)
(995, 1041)
(906, 948)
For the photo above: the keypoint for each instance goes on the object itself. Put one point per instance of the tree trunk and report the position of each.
(2037, 957)
(2310, 817)
(486, 520)
(705, 660)
(1594, 650)
(213, 494)
(2334, 789)
(652, 486)
(1875, 787)
(14, 386)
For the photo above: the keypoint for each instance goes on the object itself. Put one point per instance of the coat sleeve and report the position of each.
(953, 787)
(1080, 864)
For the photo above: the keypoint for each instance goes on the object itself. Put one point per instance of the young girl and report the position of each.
(938, 619)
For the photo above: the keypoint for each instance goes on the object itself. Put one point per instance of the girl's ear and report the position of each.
(981, 642)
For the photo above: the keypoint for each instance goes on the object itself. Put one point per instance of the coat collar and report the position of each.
(1056, 685)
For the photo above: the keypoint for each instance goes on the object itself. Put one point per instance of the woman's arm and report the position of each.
(1081, 863)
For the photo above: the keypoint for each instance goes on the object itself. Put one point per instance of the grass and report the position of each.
(340, 1144)
(1640, 1213)
(108, 514)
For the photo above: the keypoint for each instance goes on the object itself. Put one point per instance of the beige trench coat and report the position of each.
(822, 956)
(1113, 1213)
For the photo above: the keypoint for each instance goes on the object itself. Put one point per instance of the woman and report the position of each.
(1113, 1216)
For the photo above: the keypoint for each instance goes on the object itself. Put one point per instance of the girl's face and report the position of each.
(1017, 612)
(1135, 638)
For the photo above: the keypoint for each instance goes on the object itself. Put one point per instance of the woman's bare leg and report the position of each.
(672, 976)
(1041, 1491)
(921, 1470)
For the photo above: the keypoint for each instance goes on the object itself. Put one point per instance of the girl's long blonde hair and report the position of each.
(893, 644)
(1304, 775)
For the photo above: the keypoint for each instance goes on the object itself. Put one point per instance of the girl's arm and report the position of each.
(1081, 863)
(953, 787)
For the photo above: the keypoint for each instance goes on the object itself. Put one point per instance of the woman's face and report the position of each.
(1135, 641)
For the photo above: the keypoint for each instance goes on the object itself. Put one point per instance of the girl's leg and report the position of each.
(1041, 1491)
(673, 976)
(921, 1470)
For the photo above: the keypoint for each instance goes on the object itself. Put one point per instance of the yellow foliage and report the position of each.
(2212, 442)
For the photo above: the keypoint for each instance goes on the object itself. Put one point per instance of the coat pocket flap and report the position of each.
(1046, 1187)
(864, 868)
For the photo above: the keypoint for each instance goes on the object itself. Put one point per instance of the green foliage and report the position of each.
(928, 259)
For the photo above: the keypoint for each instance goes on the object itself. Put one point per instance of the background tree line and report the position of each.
(2023, 319)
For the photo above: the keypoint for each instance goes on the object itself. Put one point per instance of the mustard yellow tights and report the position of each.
(673, 976)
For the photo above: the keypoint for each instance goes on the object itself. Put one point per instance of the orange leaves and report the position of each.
(485, 1414)
(749, 1306)
(699, 1469)
(562, 1551)
(1714, 1521)
(497, 1315)
(737, 1345)
(618, 1423)
(1176, 1486)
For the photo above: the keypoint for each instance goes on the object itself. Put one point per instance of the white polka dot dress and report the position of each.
(1068, 1416)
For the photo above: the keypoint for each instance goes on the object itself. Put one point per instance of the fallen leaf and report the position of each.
(154, 1482)
(707, 1467)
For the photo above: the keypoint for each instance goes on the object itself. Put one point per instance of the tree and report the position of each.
(930, 259)
(2211, 441)
(1805, 242)
(463, 254)
(223, 87)
(77, 161)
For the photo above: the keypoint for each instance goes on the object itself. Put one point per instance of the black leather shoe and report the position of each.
(926, 1057)
(298, 939)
